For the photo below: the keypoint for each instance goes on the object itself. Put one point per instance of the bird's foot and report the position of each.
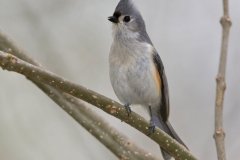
(151, 128)
(128, 109)
(152, 125)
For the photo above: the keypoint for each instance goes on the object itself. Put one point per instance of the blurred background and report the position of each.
(72, 38)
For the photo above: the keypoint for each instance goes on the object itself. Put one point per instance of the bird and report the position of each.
(136, 70)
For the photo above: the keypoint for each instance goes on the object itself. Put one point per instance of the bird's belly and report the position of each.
(134, 84)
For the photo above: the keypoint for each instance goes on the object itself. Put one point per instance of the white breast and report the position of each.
(131, 76)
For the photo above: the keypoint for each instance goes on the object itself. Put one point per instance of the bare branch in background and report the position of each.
(116, 142)
(219, 134)
(12, 63)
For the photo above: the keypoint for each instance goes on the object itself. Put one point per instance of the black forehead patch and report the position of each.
(117, 14)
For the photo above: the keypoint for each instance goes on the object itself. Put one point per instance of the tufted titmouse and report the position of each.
(136, 70)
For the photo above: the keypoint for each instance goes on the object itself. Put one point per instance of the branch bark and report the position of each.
(12, 63)
(219, 133)
(116, 142)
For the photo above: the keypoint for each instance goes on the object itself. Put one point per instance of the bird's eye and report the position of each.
(126, 19)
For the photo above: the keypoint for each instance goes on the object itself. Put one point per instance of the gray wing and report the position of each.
(164, 106)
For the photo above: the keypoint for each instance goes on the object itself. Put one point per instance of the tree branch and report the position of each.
(116, 142)
(219, 134)
(12, 63)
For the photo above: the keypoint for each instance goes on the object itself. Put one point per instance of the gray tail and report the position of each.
(167, 127)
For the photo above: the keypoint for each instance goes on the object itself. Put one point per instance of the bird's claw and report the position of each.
(151, 128)
(128, 109)
(152, 125)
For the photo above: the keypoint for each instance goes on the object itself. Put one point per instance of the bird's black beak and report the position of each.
(113, 19)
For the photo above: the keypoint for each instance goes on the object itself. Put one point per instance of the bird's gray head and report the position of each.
(128, 22)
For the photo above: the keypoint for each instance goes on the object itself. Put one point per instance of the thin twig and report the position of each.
(12, 63)
(219, 133)
(116, 142)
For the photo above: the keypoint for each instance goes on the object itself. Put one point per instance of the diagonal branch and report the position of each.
(116, 142)
(12, 63)
(219, 134)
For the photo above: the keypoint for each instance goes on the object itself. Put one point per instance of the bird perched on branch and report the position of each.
(136, 69)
